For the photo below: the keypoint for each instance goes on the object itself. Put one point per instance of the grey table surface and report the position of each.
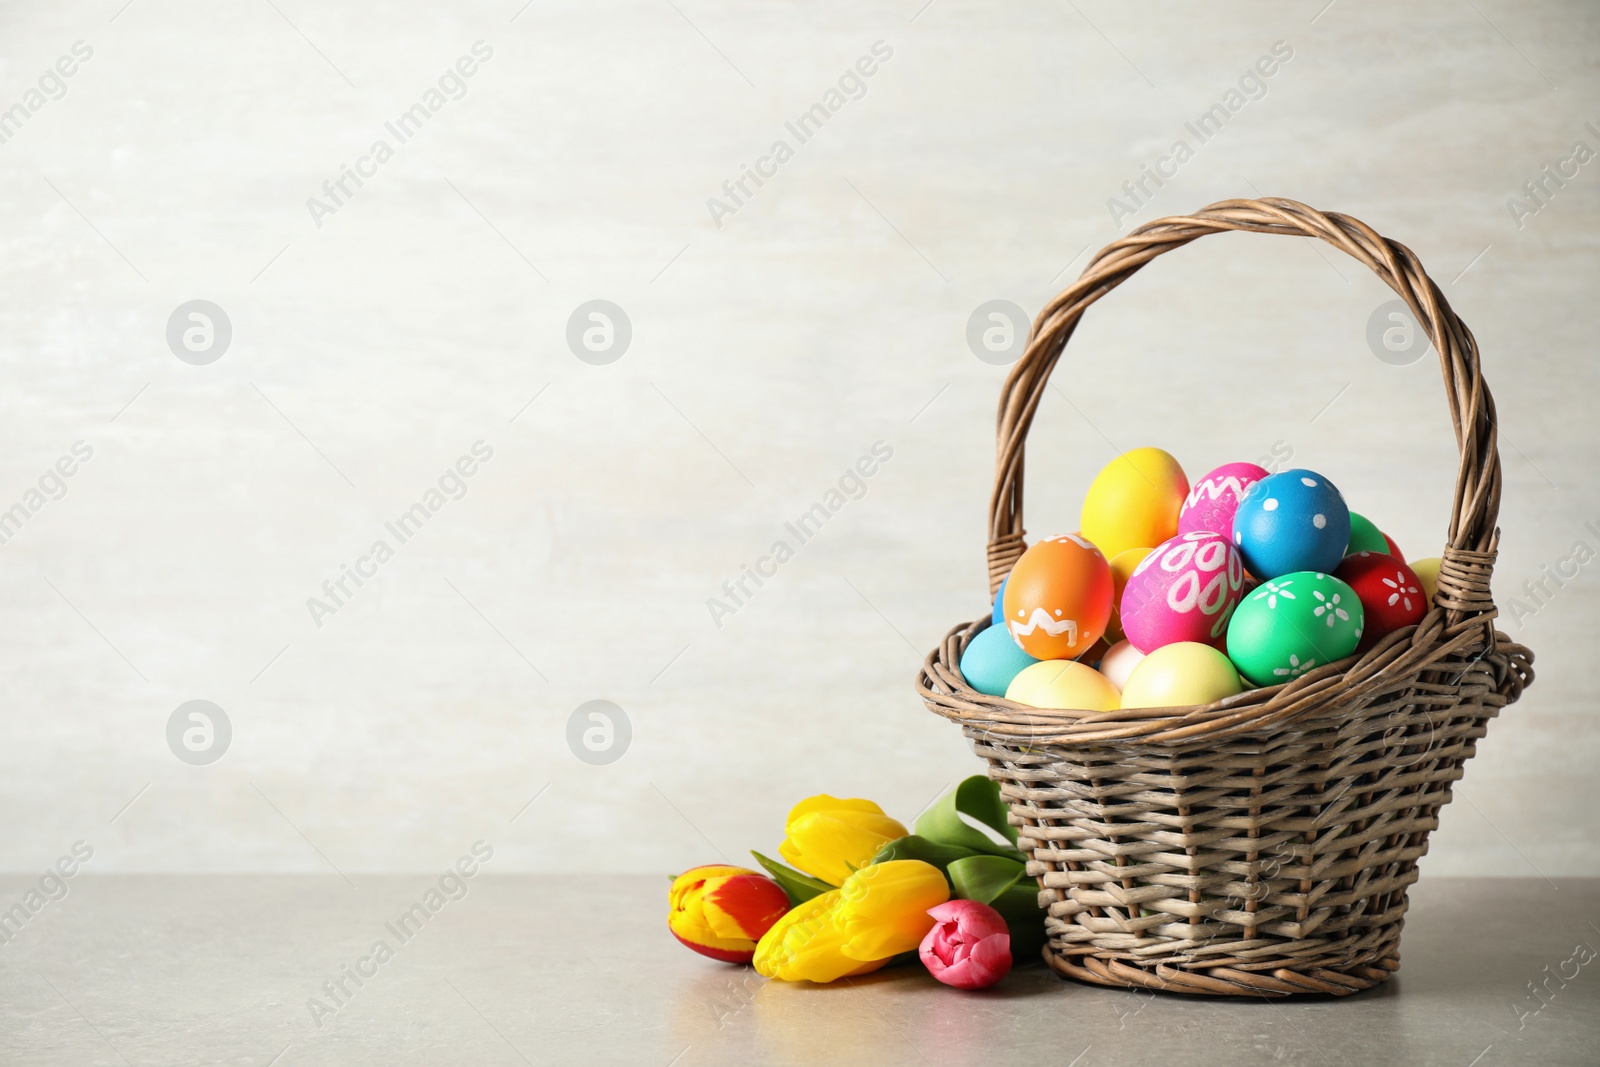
(159, 969)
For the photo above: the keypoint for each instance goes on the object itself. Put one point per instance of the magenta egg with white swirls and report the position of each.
(1184, 590)
(1213, 499)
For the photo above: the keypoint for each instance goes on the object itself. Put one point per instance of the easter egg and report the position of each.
(1213, 499)
(1119, 661)
(1394, 549)
(991, 660)
(1122, 569)
(1292, 521)
(1063, 684)
(1427, 572)
(1364, 536)
(1184, 590)
(1177, 675)
(1390, 592)
(1134, 501)
(998, 615)
(1292, 623)
(1058, 597)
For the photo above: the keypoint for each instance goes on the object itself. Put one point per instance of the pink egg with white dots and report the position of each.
(1184, 590)
(1213, 499)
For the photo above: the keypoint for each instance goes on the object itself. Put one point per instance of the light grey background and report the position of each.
(768, 354)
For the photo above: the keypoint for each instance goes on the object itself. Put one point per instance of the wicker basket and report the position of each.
(1262, 844)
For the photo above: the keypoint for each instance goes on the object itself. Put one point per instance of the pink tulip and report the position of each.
(969, 946)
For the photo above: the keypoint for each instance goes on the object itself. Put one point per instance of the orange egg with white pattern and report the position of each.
(1058, 597)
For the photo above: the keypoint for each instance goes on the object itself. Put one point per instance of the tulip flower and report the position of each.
(722, 911)
(879, 912)
(806, 944)
(884, 908)
(830, 838)
(969, 946)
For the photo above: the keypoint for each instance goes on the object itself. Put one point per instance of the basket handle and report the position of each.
(1468, 560)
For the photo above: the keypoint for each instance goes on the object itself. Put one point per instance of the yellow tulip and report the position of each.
(883, 909)
(806, 944)
(879, 912)
(829, 837)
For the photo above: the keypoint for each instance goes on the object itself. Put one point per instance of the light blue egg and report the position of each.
(998, 615)
(1296, 520)
(991, 660)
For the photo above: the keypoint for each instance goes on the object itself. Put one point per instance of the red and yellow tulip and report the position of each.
(722, 911)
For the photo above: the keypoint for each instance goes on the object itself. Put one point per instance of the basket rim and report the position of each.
(1324, 691)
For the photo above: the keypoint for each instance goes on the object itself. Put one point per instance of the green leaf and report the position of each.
(1019, 907)
(979, 799)
(1004, 886)
(916, 847)
(1021, 900)
(984, 878)
(800, 887)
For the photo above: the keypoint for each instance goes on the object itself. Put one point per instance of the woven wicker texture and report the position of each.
(1263, 844)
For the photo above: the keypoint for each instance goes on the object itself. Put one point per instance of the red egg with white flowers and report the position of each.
(1390, 593)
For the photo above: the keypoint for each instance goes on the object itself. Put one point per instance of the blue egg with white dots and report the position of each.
(991, 660)
(998, 616)
(1292, 521)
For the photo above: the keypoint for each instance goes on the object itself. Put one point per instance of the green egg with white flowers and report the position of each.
(1292, 624)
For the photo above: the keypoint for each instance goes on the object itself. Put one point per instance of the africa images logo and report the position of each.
(852, 85)
(337, 191)
(451, 485)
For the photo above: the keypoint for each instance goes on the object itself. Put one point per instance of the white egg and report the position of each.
(1119, 661)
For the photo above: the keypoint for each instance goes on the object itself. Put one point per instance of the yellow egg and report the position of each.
(1121, 569)
(1065, 684)
(1180, 674)
(1427, 570)
(1134, 502)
